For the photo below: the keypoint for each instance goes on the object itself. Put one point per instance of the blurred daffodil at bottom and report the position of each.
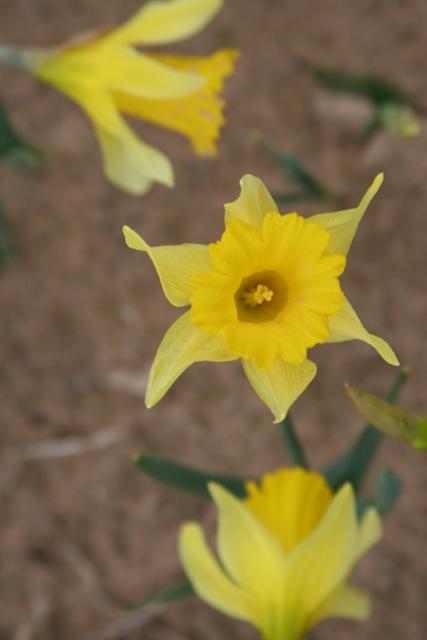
(106, 75)
(286, 553)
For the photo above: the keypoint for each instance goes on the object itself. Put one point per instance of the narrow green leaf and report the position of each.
(308, 187)
(178, 591)
(388, 487)
(352, 466)
(7, 245)
(392, 421)
(185, 478)
(14, 150)
(377, 90)
(372, 126)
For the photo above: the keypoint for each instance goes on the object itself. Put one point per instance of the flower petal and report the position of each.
(345, 325)
(323, 561)
(345, 602)
(342, 225)
(124, 69)
(131, 164)
(175, 265)
(280, 385)
(160, 22)
(182, 345)
(207, 577)
(252, 555)
(253, 203)
(370, 531)
(128, 162)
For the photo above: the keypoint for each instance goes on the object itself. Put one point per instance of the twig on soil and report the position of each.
(133, 383)
(64, 448)
(40, 609)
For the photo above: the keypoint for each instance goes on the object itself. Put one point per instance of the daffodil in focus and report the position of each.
(105, 74)
(266, 292)
(286, 554)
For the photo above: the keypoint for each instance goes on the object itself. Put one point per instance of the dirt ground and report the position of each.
(81, 317)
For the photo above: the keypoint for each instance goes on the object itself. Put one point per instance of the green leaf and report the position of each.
(14, 150)
(187, 479)
(352, 466)
(307, 186)
(387, 489)
(178, 591)
(377, 90)
(392, 421)
(7, 245)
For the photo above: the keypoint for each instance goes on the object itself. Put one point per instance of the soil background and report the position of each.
(81, 317)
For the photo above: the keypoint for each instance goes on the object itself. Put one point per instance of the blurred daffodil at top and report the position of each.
(105, 75)
(266, 292)
(286, 551)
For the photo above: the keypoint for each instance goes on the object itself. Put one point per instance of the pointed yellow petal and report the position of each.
(131, 164)
(370, 531)
(323, 561)
(253, 203)
(280, 385)
(249, 551)
(208, 579)
(161, 22)
(182, 345)
(124, 69)
(342, 225)
(175, 265)
(128, 162)
(345, 602)
(345, 325)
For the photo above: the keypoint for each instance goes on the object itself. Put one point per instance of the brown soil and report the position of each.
(82, 316)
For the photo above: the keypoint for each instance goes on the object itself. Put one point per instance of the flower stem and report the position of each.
(292, 443)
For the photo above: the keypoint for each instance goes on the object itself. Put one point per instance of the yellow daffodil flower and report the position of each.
(266, 292)
(286, 554)
(106, 75)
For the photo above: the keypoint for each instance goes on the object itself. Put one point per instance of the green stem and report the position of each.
(398, 384)
(292, 443)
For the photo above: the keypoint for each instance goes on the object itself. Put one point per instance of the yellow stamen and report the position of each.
(262, 294)
(257, 295)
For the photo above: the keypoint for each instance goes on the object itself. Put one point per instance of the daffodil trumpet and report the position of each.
(265, 293)
(106, 75)
(286, 554)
